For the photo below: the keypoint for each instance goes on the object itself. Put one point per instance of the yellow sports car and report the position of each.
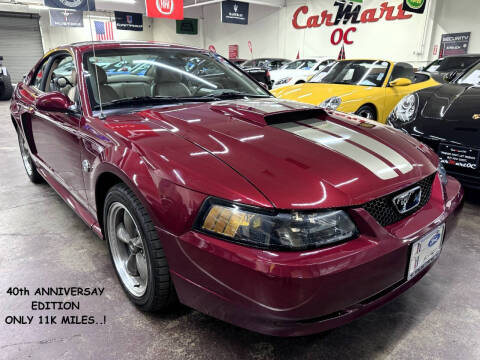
(368, 88)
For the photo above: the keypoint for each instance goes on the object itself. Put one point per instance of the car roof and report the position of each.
(88, 45)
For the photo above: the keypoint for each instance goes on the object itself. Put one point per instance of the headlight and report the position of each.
(331, 104)
(283, 81)
(274, 230)
(443, 174)
(405, 112)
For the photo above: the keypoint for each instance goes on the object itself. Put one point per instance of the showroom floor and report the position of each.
(43, 243)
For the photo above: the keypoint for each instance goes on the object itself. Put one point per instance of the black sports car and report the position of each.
(447, 118)
(449, 68)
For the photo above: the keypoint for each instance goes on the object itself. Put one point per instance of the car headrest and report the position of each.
(101, 74)
(403, 70)
(166, 75)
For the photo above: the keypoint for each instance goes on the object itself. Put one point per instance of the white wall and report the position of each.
(457, 16)
(55, 36)
(271, 32)
(164, 30)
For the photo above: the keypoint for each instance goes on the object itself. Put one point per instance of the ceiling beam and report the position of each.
(271, 3)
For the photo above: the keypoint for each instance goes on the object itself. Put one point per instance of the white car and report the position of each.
(298, 71)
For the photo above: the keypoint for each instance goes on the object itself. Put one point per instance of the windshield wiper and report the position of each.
(232, 95)
(143, 100)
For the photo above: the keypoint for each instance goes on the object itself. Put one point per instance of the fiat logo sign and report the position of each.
(165, 6)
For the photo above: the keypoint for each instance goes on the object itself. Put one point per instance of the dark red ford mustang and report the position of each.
(272, 215)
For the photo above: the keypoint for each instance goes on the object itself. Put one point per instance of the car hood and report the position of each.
(449, 113)
(259, 140)
(316, 93)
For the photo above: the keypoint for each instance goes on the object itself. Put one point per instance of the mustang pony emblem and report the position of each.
(408, 200)
(476, 117)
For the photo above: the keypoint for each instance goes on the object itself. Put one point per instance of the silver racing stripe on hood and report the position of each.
(401, 164)
(309, 130)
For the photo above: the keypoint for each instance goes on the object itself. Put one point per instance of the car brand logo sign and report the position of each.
(165, 6)
(434, 240)
(408, 200)
(476, 116)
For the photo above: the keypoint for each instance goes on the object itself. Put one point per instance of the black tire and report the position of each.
(367, 112)
(6, 88)
(160, 292)
(28, 163)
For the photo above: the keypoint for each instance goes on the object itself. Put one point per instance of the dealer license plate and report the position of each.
(425, 250)
(459, 156)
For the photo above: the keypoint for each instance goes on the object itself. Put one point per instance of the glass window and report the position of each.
(456, 63)
(355, 72)
(471, 77)
(37, 79)
(162, 73)
(61, 76)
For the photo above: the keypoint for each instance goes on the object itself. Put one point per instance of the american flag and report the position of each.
(341, 56)
(104, 30)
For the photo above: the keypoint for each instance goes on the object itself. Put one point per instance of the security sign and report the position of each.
(172, 9)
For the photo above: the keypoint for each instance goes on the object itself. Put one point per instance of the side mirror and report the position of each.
(400, 82)
(54, 101)
(449, 77)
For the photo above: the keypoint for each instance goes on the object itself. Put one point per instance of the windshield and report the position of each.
(301, 65)
(471, 77)
(125, 74)
(452, 63)
(355, 72)
(318, 77)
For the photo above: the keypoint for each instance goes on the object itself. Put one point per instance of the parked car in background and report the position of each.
(269, 214)
(368, 88)
(237, 62)
(265, 63)
(260, 69)
(447, 118)
(449, 68)
(298, 71)
(6, 87)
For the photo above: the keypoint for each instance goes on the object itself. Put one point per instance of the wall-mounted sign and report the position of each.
(235, 12)
(454, 44)
(66, 18)
(81, 5)
(128, 21)
(187, 26)
(172, 9)
(416, 6)
(233, 51)
(347, 12)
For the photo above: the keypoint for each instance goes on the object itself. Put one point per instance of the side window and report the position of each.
(37, 79)
(62, 75)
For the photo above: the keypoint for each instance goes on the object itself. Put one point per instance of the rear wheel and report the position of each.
(136, 251)
(367, 112)
(30, 167)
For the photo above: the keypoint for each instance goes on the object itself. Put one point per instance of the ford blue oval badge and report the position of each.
(434, 240)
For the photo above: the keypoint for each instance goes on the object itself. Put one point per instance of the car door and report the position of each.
(55, 134)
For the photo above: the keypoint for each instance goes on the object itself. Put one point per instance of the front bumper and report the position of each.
(299, 293)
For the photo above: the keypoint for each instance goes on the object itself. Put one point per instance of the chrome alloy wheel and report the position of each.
(27, 159)
(128, 249)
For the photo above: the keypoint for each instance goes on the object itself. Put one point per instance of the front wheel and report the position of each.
(136, 251)
(367, 112)
(28, 163)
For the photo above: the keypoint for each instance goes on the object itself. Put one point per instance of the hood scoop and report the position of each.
(267, 111)
(290, 116)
